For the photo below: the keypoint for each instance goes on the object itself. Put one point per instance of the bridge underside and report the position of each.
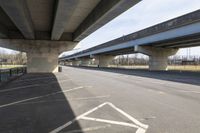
(46, 28)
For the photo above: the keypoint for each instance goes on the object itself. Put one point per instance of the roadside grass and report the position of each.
(185, 67)
(10, 66)
(171, 67)
(130, 67)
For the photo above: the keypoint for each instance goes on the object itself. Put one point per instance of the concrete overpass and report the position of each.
(158, 42)
(45, 28)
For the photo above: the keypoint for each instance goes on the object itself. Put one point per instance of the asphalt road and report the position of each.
(93, 100)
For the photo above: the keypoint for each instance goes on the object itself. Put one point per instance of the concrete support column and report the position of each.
(104, 60)
(76, 63)
(42, 55)
(158, 57)
(42, 63)
(85, 61)
(158, 62)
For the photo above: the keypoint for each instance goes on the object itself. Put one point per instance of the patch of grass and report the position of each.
(185, 67)
(130, 67)
(175, 67)
(10, 66)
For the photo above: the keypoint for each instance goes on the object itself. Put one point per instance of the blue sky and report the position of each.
(144, 14)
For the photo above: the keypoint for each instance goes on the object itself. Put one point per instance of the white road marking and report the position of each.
(17, 88)
(89, 129)
(77, 118)
(33, 98)
(147, 118)
(61, 81)
(23, 80)
(61, 100)
(129, 117)
(198, 92)
(141, 128)
(88, 98)
(110, 122)
(161, 92)
(29, 86)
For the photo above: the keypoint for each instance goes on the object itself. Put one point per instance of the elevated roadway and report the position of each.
(158, 42)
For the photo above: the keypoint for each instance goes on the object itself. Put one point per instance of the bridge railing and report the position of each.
(6, 74)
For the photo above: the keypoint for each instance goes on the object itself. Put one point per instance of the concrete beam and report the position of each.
(18, 12)
(37, 45)
(64, 11)
(105, 11)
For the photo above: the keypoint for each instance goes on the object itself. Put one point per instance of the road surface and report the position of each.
(93, 100)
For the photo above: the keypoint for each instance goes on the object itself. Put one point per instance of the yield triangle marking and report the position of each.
(110, 122)
(141, 128)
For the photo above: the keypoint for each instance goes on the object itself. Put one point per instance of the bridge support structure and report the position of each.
(103, 60)
(76, 62)
(85, 61)
(42, 55)
(158, 57)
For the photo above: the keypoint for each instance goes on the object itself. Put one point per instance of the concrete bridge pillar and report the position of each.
(76, 62)
(42, 55)
(42, 63)
(158, 57)
(85, 61)
(104, 60)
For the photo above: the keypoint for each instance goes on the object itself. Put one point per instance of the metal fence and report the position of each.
(6, 74)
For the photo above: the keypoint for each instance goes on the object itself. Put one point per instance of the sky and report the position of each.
(145, 14)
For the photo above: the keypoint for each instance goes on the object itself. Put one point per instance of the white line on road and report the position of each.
(198, 92)
(141, 128)
(89, 129)
(23, 80)
(129, 117)
(61, 100)
(110, 122)
(33, 98)
(17, 88)
(77, 118)
(89, 98)
(29, 86)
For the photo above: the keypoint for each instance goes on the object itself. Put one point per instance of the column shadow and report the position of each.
(43, 113)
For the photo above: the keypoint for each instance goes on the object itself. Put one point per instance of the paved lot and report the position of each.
(101, 101)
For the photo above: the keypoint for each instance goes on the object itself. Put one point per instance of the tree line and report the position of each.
(12, 58)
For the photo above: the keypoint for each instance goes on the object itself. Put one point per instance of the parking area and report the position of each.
(92, 101)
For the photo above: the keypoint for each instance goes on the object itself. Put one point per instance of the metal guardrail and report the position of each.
(6, 74)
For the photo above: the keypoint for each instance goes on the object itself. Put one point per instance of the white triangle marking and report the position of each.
(141, 128)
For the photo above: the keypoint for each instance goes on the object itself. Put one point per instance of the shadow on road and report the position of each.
(175, 76)
(47, 110)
